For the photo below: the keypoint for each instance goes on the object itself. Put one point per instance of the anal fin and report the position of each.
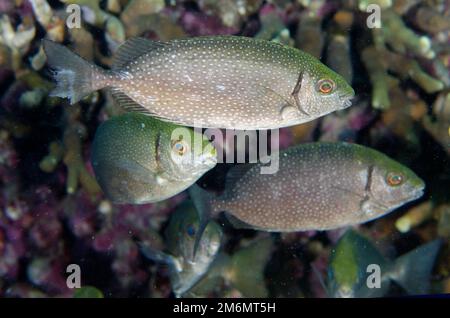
(128, 104)
(241, 225)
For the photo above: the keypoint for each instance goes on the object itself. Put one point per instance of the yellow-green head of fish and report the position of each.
(321, 90)
(190, 151)
(344, 270)
(355, 261)
(389, 185)
(182, 233)
(181, 237)
(139, 159)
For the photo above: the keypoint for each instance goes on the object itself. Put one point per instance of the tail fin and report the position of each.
(202, 202)
(319, 277)
(414, 268)
(75, 77)
(247, 268)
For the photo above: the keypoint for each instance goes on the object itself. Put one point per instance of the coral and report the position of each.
(196, 24)
(16, 39)
(73, 159)
(439, 126)
(53, 213)
(338, 49)
(407, 51)
(231, 13)
(310, 37)
(70, 151)
(414, 217)
(273, 27)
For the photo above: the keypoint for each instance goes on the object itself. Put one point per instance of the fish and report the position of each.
(138, 159)
(349, 268)
(184, 270)
(88, 292)
(318, 186)
(242, 270)
(230, 82)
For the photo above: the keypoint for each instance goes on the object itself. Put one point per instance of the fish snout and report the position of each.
(417, 190)
(208, 160)
(346, 100)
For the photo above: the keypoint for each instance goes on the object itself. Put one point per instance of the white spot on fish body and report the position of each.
(220, 87)
(126, 75)
(152, 99)
(196, 97)
(160, 180)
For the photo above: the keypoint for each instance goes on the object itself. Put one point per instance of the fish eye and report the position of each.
(394, 179)
(179, 147)
(325, 86)
(190, 230)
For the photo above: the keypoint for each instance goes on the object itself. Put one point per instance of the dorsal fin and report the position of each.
(131, 49)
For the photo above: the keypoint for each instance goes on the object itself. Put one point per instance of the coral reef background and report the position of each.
(53, 213)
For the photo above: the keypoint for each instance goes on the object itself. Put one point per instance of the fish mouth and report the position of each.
(208, 160)
(414, 195)
(346, 100)
(418, 193)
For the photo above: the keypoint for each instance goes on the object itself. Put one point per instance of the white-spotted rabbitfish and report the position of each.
(138, 159)
(185, 271)
(228, 82)
(319, 186)
(355, 258)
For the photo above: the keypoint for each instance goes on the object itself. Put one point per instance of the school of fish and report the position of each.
(152, 153)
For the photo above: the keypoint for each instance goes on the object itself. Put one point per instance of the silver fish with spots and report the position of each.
(138, 159)
(228, 82)
(319, 186)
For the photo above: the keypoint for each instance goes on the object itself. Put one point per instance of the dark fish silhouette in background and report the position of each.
(180, 235)
(349, 260)
(243, 270)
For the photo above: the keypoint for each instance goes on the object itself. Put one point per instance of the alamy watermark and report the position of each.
(73, 20)
(74, 278)
(373, 21)
(235, 146)
(374, 278)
